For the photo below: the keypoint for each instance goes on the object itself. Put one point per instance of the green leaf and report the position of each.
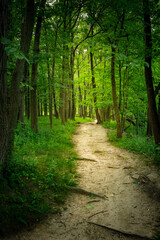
(89, 207)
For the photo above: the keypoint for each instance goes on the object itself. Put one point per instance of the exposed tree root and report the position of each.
(86, 159)
(93, 201)
(84, 192)
(122, 231)
(97, 213)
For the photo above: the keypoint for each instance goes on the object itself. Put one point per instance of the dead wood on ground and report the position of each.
(84, 192)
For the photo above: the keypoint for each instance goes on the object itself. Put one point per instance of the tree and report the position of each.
(34, 119)
(153, 114)
(3, 85)
(18, 74)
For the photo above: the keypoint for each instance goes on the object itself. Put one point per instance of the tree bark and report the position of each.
(27, 92)
(3, 86)
(53, 70)
(94, 88)
(18, 73)
(148, 73)
(34, 118)
(114, 95)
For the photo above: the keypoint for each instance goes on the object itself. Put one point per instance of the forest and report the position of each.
(63, 62)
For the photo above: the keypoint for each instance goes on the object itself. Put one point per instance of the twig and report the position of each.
(86, 159)
(84, 192)
(122, 231)
(97, 213)
(93, 201)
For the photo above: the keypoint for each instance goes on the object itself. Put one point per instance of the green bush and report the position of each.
(37, 176)
(134, 143)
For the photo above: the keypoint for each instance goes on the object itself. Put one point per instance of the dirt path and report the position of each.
(130, 187)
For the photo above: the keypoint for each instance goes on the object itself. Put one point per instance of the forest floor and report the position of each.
(129, 208)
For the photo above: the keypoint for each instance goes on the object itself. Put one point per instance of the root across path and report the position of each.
(129, 208)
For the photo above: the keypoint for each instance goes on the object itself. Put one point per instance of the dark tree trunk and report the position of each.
(41, 108)
(120, 86)
(148, 74)
(34, 118)
(159, 106)
(3, 86)
(39, 112)
(80, 103)
(45, 104)
(85, 105)
(149, 126)
(73, 112)
(53, 90)
(27, 92)
(53, 69)
(18, 73)
(49, 84)
(21, 107)
(114, 95)
(94, 88)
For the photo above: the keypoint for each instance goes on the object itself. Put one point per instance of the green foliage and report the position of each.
(81, 120)
(37, 176)
(157, 236)
(134, 143)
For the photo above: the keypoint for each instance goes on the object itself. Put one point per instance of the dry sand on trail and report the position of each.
(131, 189)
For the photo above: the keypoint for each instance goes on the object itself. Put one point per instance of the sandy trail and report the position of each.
(131, 189)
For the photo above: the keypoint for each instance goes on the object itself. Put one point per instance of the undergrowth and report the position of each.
(37, 176)
(83, 120)
(134, 143)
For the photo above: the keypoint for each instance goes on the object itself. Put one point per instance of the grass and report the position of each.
(134, 143)
(37, 176)
(81, 120)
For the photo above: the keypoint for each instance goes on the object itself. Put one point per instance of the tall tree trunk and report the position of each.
(34, 118)
(45, 105)
(94, 88)
(18, 73)
(22, 95)
(39, 112)
(120, 85)
(159, 106)
(53, 80)
(65, 71)
(27, 92)
(85, 104)
(149, 127)
(53, 90)
(148, 73)
(114, 95)
(3, 86)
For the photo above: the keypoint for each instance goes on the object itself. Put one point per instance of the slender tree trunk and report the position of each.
(3, 86)
(27, 92)
(53, 80)
(21, 107)
(65, 72)
(39, 112)
(114, 95)
(120, 86)
(18, 73)
(85, 105)
(159, 106)
(41, 108)
(148, 73)
(34, 118)
(45, 105)
(53, 90)
(80, 103)
(94, 88)
(73, 113)
(149, 127)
